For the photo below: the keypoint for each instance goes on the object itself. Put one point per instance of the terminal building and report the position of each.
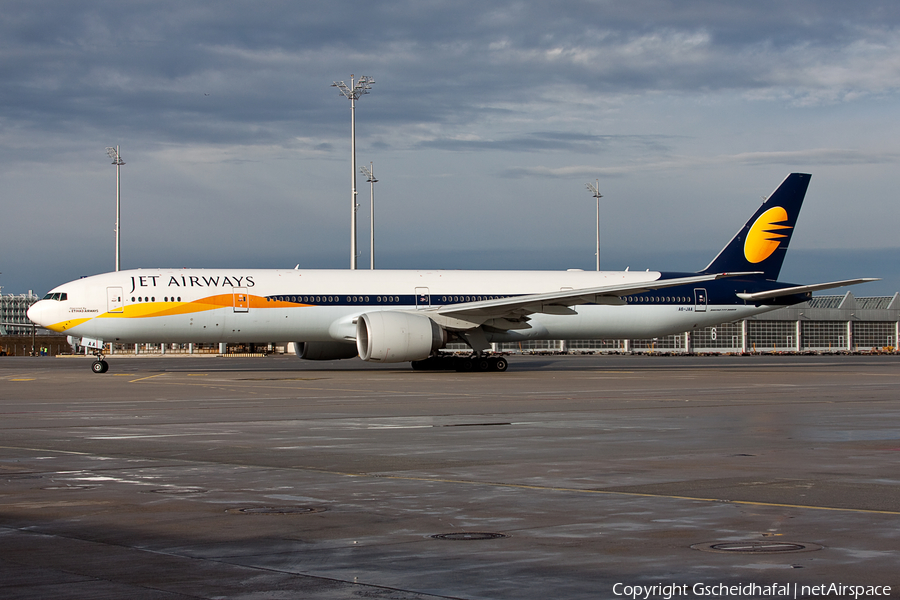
(824, 324)
(18, 336)
(12, 312)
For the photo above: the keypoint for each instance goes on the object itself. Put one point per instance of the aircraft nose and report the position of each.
(37, 311)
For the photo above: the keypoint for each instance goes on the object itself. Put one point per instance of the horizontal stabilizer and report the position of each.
(802, 289)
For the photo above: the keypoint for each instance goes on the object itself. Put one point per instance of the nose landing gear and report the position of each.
(99, 365)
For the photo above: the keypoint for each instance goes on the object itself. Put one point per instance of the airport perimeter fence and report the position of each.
(40, 345)
(740, 337)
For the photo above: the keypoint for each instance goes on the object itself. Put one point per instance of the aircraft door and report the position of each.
(423, 298)
(115, 300)
(699, 300)
(241, 300)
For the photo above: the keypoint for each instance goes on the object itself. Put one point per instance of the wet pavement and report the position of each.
(565, 477)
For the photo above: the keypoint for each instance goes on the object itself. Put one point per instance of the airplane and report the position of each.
(394, 316)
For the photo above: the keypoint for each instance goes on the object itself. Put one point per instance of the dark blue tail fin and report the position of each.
(762, 242)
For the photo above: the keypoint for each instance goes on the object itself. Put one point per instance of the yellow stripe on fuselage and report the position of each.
(167, 309)
(145, 310)
(65, 325)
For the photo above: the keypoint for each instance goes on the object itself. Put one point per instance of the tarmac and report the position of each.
(577, 477)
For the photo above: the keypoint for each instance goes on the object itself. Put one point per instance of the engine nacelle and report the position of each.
(386, 336)
(325, 350)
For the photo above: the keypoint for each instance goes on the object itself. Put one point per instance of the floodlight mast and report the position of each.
(113, 153)
(353, 92)
(370, 173)
(595, 190)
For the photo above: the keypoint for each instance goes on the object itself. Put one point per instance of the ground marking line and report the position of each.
(532, 487)
(524, 486)
(148, 377)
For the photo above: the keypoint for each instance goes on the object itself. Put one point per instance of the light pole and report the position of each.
(595, 190)
(370, 173)
(353, 92)
(117, 160)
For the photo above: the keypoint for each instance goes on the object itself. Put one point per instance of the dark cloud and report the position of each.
(235, 72)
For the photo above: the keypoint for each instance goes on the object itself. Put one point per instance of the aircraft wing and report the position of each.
(802, 289)
(512, 313)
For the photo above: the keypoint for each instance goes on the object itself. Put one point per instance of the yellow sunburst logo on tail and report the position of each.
(763, 238)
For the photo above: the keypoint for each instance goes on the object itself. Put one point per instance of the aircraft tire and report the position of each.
(465, 365)
(499, 364)
(482, 365)
(100, 366)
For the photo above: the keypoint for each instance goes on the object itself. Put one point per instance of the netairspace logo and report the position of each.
(774, 590)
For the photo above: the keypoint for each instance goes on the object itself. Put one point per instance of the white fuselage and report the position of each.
(247, 305)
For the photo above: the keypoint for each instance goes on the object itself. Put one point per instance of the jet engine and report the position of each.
(325, 350)
(387, 336)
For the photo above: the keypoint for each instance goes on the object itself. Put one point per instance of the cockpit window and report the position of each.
(60, 296)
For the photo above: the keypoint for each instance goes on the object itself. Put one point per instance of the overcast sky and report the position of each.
(484, 124)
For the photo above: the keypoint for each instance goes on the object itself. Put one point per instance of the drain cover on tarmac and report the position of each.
(756, 547)
(179, 490)
(276, 510)
(468, 535)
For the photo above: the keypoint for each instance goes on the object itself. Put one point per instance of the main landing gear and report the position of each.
(461, 364)
(99, 365)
